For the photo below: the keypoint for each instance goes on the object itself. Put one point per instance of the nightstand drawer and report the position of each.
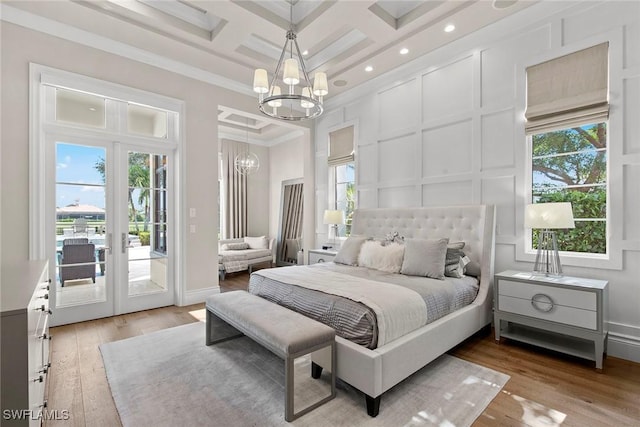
(553, 312)
(566, 297)
(317, 256)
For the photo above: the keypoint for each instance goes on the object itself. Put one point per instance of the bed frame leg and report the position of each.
(373, 405)
(316, 370)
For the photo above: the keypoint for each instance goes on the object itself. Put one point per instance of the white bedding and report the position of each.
(398, 310)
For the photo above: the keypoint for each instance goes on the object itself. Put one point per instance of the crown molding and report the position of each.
(67, 32)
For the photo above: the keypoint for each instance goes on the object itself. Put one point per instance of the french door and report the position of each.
(109, 229)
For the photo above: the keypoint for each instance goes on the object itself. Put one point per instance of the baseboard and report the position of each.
(624, 342)
(198, 295)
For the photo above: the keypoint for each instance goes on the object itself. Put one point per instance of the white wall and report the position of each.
(448, 129)
(287, 162)
(258, 191)
(20, 46)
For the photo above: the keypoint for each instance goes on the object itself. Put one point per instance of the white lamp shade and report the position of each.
(549, 215)
(291, 75)
(320, 87)
(306, 104)
(333, 217)
(260, 81)
(276, 92)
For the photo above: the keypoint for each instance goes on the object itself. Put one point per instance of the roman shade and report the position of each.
(568, 91)
(341, 146)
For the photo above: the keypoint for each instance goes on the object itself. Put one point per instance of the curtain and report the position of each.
(568, 91)
(341, 146)
(234, 197)
(291, 218)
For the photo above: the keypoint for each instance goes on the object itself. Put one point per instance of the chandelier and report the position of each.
(246, 162)
(300, 100)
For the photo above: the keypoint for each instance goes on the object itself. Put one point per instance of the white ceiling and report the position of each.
(231, 38)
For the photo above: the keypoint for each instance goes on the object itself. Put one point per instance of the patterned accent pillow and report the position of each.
(455, 260)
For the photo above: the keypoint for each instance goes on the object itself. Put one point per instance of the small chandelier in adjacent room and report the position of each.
(246, 162)
(300, 100)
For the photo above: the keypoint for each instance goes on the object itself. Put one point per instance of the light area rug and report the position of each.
(171, 378)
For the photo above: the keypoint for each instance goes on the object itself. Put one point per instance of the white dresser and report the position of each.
(566, 314)
(321, 255)
(25, 341)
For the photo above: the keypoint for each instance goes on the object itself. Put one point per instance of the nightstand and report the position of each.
(566, 314)
(321, 255)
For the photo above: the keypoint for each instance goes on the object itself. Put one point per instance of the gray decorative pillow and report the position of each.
(349, 251)
(424, 257)
(235, 246)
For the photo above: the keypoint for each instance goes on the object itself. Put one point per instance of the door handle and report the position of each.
(125, 242)
(109, 243)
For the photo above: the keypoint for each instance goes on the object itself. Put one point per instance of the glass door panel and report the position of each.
(147, 224)
(80, 224)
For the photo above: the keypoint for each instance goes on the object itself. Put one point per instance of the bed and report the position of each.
(374, 369)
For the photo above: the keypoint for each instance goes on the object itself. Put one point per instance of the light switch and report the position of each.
(192, 228)
(192, 212)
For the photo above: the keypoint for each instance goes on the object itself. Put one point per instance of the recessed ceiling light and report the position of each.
(306, 52)
(404, 51)
(449, 28)
(368, 68)
(503, 4)
(92, 109)
(340, 83)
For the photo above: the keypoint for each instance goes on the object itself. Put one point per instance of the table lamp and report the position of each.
(548, 217)
(333, 218)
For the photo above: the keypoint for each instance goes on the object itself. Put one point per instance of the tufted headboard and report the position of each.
(473, 224)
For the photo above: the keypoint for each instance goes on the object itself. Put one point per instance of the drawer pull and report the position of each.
(538, 299)
(320, 260)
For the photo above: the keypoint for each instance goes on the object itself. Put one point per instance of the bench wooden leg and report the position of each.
(316, 370)
(373, 405)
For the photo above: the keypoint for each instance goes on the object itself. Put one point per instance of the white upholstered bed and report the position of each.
(374, 371)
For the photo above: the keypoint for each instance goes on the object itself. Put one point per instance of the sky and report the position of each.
(75, 164)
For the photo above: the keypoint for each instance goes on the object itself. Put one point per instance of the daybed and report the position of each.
(377, 369)
(243, 253)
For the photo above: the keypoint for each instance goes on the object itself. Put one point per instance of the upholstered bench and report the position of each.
(285, 333)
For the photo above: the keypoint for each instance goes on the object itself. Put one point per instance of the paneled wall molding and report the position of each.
(448, 129)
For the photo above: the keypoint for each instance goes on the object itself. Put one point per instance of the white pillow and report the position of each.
(384, 258)
(234, 246)
(257, 242)
(349, 251)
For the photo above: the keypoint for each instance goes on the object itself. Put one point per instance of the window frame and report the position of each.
(616, 160)
(333, 193)
(529, 194)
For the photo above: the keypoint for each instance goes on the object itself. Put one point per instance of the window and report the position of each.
(570, 165)
(342, 167)
(345, 190)
(567, 113)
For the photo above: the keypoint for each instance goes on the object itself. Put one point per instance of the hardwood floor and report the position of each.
(545, 389)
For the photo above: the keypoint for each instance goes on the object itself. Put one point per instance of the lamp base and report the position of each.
(547, 257)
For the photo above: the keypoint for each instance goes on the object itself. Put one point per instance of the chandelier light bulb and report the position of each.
(260, 81)
(320, 87)
(291, 76)
(276, 92)
(304, 103)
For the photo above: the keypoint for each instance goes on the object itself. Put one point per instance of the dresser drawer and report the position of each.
(556, 313)
(317, 257)
(566, 297)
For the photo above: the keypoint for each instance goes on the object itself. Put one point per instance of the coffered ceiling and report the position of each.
(230, 38)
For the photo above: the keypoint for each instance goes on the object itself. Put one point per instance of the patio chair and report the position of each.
(79, 225)
(78, 253)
